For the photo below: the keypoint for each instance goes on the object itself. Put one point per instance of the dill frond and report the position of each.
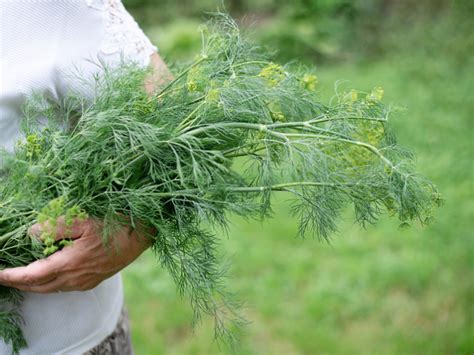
(231, 130)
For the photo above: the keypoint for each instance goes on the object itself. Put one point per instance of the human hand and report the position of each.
(80, 266)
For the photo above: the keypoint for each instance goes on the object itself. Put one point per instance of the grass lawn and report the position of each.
(382, 290)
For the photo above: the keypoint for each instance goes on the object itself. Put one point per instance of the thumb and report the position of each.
(59, 229)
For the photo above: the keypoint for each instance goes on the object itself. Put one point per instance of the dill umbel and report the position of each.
(228, 133)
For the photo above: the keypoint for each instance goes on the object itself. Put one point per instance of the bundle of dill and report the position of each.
(228, 132)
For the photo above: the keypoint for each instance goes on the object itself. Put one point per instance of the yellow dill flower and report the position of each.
(278, 116)
(274, 73)
(192, 85)
(375, 135)
(376, 94)
(310, 81)
(195, 80)
(350, 97)
(354, 95)
(33, 146)
(213, 95)
(275, 112)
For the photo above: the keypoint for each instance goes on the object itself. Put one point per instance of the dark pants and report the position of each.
(117, 343)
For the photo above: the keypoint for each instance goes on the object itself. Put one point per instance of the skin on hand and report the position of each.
(160, 74)
(82, 265)
(87, 262)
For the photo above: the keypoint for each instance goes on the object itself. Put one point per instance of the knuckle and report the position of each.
(89, 285)
(43, 274)
(45, 290)
(28, 279)
(85, 287)
(71, 284)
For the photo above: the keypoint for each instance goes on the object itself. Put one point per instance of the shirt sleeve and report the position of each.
(123, 36)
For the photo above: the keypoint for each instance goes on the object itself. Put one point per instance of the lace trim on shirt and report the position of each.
(123, 34)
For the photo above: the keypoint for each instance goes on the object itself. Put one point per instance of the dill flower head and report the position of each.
(276, 112)
(32, 146)
(273, 73)
(353, 95)
(310, 81)
(195, 80)
(212, 95)
(376, 95)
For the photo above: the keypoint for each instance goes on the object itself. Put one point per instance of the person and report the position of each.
(73, 300)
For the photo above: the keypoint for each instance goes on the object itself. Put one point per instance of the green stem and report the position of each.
(245, 154)
(322, 120)
(184, 122)
(285, 186)
(258, 62)
(6, 237)
(22, 214)
(250, 189)
(286, 136)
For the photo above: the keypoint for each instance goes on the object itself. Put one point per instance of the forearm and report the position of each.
(160, 73)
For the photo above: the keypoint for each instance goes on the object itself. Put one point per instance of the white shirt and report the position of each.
(41, 43)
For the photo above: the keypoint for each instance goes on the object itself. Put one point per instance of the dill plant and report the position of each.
(228, 132)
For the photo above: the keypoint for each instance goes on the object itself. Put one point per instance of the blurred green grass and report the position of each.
(379, 290)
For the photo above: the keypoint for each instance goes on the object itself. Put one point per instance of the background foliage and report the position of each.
(380, 290)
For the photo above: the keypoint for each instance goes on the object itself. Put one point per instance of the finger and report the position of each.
(54, 286)
(61, 229)
(37, 273)
(66, 283)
